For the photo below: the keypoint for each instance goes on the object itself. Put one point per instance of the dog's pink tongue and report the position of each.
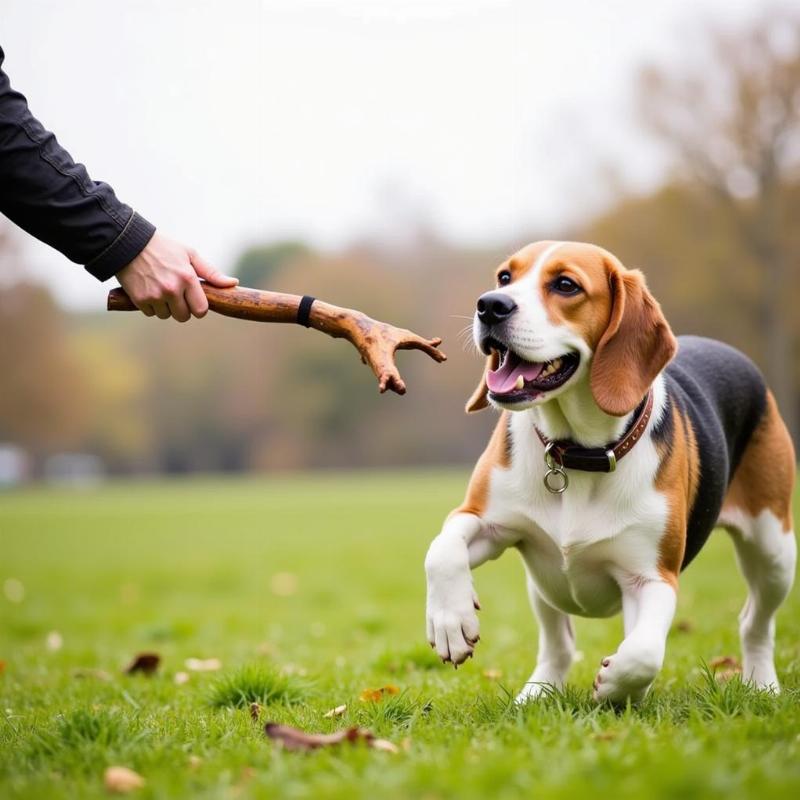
(503, 380)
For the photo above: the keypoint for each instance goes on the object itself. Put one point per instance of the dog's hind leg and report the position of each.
(556, 647)
(757, 514)
(766, 555)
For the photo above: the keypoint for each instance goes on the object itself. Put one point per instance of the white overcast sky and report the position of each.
(231, 122)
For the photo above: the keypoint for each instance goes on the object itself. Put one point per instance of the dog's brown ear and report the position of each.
(637, 344)
(478, 399)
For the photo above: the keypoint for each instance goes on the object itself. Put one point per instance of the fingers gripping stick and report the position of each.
(377, 342)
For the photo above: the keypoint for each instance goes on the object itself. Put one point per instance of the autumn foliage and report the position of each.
(718, 241)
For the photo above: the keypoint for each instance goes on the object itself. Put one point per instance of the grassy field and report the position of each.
(310, 589)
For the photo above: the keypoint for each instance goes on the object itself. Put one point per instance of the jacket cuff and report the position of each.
(135, 235)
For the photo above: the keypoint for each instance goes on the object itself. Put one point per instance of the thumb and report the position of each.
(205, 271)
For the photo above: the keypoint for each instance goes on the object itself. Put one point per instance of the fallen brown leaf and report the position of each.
(2, 666)
(374, 695)
(146, 663)
(383, 744)
(493, 674)
(295, 739)
(255, 711)
(729, 662)
(122, 780)
(684, 626)
(335, 712)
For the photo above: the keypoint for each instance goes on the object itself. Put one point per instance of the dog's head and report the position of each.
(562, 312)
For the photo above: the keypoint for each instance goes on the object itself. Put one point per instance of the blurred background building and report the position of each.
(384, 156)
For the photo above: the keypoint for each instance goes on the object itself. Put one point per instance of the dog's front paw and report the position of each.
(622, 678)
(533, 691)
(452, 624)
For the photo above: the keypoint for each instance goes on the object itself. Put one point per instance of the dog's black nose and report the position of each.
(494, 307)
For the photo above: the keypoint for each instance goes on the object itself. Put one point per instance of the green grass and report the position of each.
(310, 589)
(256, 683)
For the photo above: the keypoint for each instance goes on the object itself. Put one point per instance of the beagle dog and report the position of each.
(618, 449)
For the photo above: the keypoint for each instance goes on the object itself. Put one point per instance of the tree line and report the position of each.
(718, 241)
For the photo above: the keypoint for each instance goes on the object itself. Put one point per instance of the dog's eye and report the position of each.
(504, 278)
(564, 285)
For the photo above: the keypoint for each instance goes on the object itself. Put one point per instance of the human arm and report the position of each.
(49, 195)
(52, 197)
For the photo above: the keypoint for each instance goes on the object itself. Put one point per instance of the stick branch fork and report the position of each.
(377, 342)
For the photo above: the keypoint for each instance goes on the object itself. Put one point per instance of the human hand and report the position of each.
(163, 280)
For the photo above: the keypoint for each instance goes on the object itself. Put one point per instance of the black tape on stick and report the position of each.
(304, 310)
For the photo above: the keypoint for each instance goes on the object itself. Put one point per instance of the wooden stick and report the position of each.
(376, 341)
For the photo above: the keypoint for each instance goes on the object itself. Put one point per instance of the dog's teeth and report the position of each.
(557, 364)
(520, 384)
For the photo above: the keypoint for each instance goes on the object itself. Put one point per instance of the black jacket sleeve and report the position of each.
(51, 197)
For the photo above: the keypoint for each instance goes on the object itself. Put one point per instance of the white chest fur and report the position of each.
(578, 546)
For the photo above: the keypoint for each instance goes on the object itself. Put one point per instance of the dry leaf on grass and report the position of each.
(729, 662)
(194, 762)
(335, 712)
(146, 663)
(725, 668)
(383, 744)
(203, 664)
(374, 695)
(122, 780)
(2, 666)
(255, 711)
(493, 674)
(684, 626)
(295, 739)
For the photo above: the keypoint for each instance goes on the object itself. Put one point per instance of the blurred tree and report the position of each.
(731, 121)
(114, 383)
(257, 265)
(43, 405)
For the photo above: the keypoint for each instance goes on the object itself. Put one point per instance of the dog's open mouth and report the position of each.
(516, 380)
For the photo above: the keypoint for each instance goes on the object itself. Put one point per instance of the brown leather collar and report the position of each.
(600, 459)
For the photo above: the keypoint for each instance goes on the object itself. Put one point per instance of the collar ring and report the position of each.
(556, 479)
